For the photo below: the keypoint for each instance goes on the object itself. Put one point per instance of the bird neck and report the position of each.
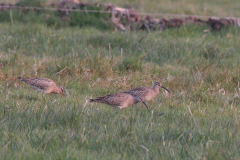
(156, 89)
(56, 90)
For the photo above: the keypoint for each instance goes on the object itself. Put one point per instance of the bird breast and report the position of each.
(150, 95)
(53, 89)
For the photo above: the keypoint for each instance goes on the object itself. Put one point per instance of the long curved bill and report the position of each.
(165, 89)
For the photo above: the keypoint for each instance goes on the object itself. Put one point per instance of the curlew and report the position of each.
(147, 93)
(119, 100)
(44, 85)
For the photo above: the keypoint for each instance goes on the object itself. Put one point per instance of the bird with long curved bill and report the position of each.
(147, 93)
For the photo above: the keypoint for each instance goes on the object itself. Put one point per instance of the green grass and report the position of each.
(201, 69)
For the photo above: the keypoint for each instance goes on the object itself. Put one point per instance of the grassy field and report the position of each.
(200, 68)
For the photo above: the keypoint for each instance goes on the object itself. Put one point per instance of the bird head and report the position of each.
(61, 90)
(159, 85)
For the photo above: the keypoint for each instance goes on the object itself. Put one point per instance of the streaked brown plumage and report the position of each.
(120, 100)
(44, 85)
(147, 93)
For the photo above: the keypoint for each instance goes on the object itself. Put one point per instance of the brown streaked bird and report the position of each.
(119, 100)
(147, 93)
(44, 85)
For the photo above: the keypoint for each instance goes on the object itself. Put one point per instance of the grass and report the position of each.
(200, 68)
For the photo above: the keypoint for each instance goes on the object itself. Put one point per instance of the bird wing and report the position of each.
(141, 91)
(41, 83)
(117, 98)
(112, 98)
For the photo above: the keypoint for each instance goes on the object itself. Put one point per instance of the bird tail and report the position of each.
(22, 79)
(92, 101)
(98, 99)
